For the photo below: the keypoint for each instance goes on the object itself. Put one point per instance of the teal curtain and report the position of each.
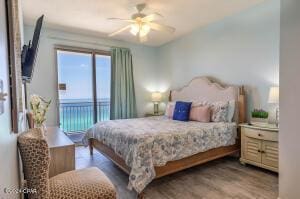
(123, 103)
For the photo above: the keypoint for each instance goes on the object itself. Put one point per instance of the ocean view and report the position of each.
(77, 115)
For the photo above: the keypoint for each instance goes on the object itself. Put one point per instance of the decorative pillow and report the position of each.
(182, 111)
(219, 110)
(170, 109)
(200, 113)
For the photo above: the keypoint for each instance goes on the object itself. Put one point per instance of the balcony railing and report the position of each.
(79, 116)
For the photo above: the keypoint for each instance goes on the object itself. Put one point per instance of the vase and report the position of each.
(42, 128)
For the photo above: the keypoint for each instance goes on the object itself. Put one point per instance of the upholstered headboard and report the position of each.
(203, 89)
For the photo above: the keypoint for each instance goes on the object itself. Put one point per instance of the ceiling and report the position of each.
(90, 16)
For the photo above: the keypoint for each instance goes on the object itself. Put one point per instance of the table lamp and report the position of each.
(274, 99)
(156, 98)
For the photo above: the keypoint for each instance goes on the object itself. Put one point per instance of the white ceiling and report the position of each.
(90, 16)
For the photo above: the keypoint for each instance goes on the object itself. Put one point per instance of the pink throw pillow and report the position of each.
(200, 113)
(170, 110)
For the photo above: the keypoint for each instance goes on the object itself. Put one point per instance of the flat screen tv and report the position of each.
(29, 52)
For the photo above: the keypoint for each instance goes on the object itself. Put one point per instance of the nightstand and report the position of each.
(153, 114)
(62, 151)
(259, 146)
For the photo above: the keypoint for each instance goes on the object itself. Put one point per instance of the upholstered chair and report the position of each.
(85, 183)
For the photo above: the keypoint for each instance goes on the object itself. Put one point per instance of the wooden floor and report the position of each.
(225, 178)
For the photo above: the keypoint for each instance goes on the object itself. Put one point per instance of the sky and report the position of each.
(75, 70)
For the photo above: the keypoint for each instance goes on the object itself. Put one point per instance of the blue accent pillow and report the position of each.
(182, 111)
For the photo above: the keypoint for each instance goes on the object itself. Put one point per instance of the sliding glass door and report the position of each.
(103, 75)
(83, 88)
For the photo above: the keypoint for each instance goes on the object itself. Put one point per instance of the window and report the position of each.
(83, 88)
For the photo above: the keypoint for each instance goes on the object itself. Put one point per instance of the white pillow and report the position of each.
(170, 109)
(231, 110)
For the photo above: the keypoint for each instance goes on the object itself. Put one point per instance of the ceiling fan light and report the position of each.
(145, 29)
(134, 29)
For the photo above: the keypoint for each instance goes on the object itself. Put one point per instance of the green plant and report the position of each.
(260, 113)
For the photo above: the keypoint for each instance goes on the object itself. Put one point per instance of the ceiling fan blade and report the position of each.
(160, 27)
(119, 31)
(142, 38)
(128, 20)
(151, 17)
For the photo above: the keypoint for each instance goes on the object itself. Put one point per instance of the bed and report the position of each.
(152, 147)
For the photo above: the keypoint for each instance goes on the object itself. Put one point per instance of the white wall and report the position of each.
(289, 136)
(44, 78)
(242, 49)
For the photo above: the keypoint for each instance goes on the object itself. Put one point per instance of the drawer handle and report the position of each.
(262, 151)
(260, 135)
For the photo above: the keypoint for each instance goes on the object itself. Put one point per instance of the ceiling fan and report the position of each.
(141, 24)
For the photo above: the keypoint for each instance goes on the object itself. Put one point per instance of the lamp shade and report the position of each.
(274, 95)
(156, 97)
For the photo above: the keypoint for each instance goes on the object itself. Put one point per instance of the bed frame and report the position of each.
(201, 89)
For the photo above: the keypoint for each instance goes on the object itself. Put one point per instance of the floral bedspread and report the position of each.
(153, 141)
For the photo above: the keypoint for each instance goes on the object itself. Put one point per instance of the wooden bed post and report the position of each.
(91, 146)
(170, 96)
(242, 105)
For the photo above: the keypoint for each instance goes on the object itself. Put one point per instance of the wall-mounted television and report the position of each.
(29, 52)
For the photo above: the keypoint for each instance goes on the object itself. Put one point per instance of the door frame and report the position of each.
(14, 45)
(91, 51)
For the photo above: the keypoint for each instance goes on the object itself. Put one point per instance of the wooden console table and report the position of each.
(62, 151)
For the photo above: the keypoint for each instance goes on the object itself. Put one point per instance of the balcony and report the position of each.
(77, 117)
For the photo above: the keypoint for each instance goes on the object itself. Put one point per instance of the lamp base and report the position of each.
(156, 111)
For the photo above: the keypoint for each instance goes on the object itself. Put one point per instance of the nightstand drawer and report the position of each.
(261, 134)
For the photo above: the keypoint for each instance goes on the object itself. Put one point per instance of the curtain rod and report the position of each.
(86, 42)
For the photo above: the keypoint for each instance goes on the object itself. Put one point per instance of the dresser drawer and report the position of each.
(261, 134)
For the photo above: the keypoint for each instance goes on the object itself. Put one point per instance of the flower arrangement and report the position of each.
(39, 107)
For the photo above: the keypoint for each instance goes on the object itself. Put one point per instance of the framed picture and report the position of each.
(15, 50)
